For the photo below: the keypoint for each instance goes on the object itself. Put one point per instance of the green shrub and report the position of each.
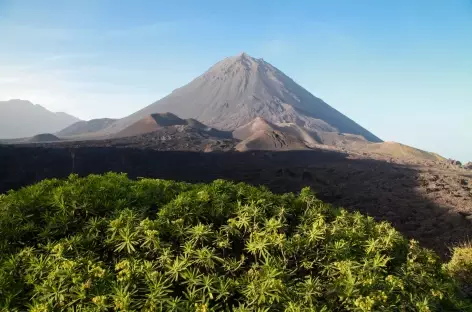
(460, 266)
(107, 243)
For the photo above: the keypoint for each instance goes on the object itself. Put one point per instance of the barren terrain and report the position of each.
(426, 200)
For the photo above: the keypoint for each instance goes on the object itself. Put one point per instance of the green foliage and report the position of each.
(107, 243)
(460, 265)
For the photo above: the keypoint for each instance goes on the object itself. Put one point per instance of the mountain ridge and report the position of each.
(21, 118)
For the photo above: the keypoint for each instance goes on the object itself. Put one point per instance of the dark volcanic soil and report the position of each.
(429, 204)
(171, 138)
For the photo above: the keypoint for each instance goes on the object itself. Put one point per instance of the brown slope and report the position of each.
(237, 89)
(270, 140)
(156, 122)
(260, 134)
(249, 129)
(166, 138)
(82, 127)
(179, 138)
(397, 150)
(151, 123)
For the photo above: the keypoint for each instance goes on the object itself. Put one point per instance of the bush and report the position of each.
(460, 266)
(106, 243)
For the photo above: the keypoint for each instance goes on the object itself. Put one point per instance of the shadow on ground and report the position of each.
(383, 190)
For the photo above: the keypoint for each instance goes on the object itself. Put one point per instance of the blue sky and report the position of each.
(402, 69)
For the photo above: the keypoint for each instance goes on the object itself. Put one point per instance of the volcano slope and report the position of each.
(82, 128)
(240, 88)
(168, 133)
(422, 200)
(260, 134)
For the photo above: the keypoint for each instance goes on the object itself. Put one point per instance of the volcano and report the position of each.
(236, 90)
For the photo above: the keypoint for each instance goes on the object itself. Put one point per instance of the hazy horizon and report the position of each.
(402, 70)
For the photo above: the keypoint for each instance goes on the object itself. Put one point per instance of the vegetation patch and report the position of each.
(107, 243)
(460, 266)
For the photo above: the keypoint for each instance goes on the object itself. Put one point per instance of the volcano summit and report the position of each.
(240, 88)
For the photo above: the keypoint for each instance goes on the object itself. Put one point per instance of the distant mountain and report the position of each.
(85, 127)
(240, 88)
(19, 119)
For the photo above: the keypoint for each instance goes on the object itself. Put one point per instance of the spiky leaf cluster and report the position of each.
(107, 243)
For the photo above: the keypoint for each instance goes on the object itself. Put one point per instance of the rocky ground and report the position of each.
(426, 200)
(172, 138)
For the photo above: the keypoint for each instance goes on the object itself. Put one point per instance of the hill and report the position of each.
(43, 138)
(155, 122)
(240, 88)
(161, 132)
(392, 149)
(150, 123)
(82, 127)
(20, 119)
(170, 138)
(260, 134)
(399, 150)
